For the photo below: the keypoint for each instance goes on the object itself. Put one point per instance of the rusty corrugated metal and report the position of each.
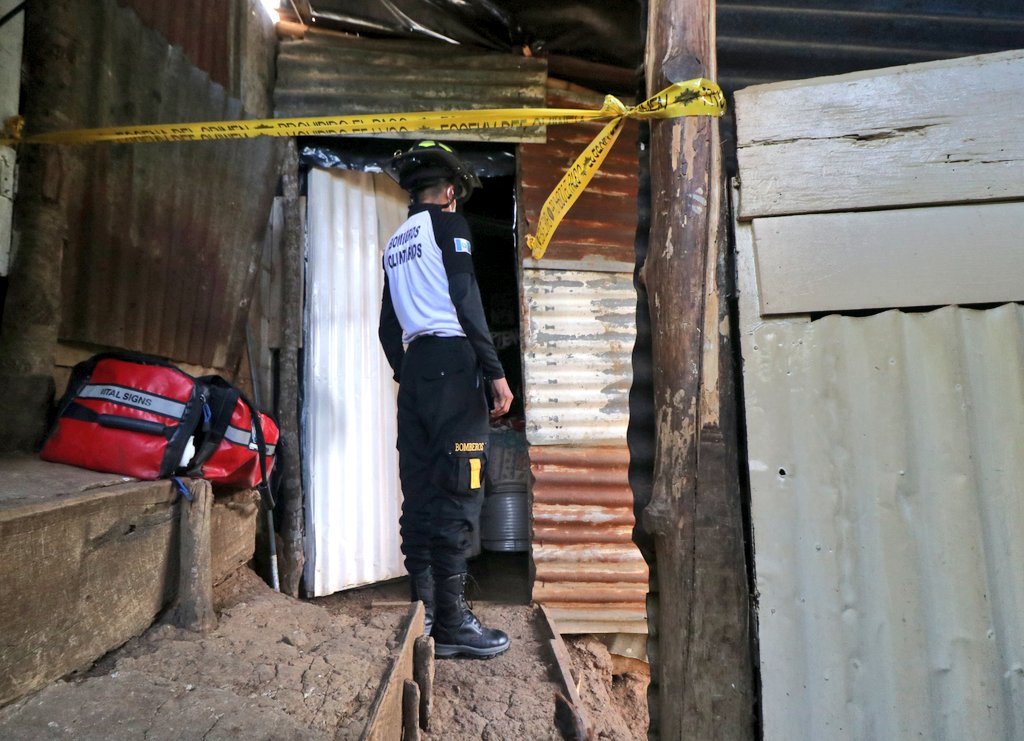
(601, 226)
(163, 249)
(199, 27)
(330, 74)
(578, 336)
(589, 574)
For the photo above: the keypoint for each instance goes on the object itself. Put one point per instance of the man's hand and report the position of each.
(502, 397)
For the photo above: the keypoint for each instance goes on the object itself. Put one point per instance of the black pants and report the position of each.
(442, 448)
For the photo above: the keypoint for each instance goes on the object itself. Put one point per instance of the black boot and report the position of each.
(422, 588)
(457, 630)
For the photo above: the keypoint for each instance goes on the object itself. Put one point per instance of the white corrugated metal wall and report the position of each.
(353, 497)
(885, 451)
(888, 505)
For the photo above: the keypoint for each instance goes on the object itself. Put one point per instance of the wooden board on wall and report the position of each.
(80, 574)
(934, 133)
(87, 561)
(970, 254)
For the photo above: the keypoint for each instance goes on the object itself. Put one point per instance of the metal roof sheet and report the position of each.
(330, 74)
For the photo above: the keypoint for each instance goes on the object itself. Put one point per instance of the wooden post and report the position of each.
(193, 605)
(701, 673)
(423, 673)
(292, 556)
(410, 711)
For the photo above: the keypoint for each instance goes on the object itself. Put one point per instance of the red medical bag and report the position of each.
(237, 442)
(127, 414)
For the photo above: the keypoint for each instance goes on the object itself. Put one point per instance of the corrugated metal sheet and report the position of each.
(165, 237)
(11, 35)
(353, 496)
(767, 43)
(199, 27)
(601, 227)
(887, 504)
(329, 74)
(579, 330)
(589, 574)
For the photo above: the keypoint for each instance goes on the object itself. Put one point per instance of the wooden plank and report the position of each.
(233, 532)
(924, 134)
(79, 578)
(933, 256)
(563, 664)
(385, 719)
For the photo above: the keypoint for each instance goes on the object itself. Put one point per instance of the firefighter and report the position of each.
(435, 336)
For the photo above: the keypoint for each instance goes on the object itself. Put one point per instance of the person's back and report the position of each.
(431, 303)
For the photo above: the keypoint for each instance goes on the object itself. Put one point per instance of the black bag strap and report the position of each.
(264, 486)
(221, 398)
(230, 396)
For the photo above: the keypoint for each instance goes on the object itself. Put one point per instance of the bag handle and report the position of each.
(75, 410)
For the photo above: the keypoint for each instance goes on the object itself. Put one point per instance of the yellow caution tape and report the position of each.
(698, 97)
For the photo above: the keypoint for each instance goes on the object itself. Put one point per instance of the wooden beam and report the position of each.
(193, 604)
(386, 717)
(701, 674)
(81, 571)
(292, 556)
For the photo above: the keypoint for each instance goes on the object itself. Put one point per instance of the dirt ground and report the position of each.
(275, 668)
(279, 668)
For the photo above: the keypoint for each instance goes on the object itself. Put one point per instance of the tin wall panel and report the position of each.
(589, 575)
(353, 497)
(164, 240)
(579, 331)
(887, 505)
(201, 28)
(600, 229)
(11, 35)
(329, 74)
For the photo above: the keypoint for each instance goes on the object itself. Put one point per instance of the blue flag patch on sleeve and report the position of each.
(463, 245)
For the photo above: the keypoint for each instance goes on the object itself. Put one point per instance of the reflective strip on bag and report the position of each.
(245, 438)
(134, 398)
(238, 436)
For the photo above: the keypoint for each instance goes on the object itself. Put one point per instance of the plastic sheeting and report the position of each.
(609, 33)
(351, 465)
(370, 155)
